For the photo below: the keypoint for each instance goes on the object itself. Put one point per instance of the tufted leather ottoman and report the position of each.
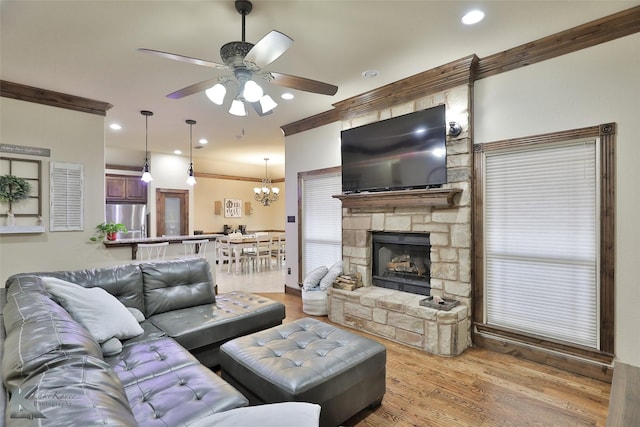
(307, 361)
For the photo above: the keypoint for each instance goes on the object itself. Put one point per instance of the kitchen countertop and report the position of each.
(133, 243)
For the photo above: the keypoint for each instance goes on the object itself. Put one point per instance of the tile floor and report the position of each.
(269, 281)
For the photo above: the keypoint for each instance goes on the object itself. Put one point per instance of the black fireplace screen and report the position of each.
(402, 261)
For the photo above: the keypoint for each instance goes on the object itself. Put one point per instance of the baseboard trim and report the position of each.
(292, 291)
(567, 362)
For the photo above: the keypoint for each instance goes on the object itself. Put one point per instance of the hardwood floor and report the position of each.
(479, 388)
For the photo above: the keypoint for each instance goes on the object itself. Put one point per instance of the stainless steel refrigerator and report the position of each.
(133, 216)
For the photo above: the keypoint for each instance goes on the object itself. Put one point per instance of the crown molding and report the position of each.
(51, 98)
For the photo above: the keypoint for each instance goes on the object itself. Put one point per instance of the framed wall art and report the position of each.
(232, 208)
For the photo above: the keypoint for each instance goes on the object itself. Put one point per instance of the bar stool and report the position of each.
(152, 251)
(195, 248)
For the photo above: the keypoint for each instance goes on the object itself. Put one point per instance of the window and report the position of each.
(544, 246)
(321, 214)
(541, 241)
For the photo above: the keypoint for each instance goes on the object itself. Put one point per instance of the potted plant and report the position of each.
(108, 230)
(13, 189)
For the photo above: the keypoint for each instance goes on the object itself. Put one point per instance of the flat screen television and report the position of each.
(403, 152)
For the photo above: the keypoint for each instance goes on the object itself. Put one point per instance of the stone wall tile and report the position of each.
(358, 310)
(452, 216)
(356, 252)
(409, 338)
(431, 337)
(356, 222)
(380, 316)
(457, 288)
(385, 331)
(447, 340)
(446, 271)
(406, 322)
(439, 239)
(377, 221)
(422, 312)
(397, 223)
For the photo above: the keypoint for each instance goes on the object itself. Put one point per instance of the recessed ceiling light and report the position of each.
(203, 141)
(115, 126)
(177, 152)
(370, 74)
(473, 17)
(287, 96)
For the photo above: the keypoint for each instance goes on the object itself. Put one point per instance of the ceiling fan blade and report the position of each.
(194, 88)
(182, 58)
(256, 106)
(268, 49)
(301, 83)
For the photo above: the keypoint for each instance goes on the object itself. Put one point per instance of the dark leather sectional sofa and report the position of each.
(54, 372)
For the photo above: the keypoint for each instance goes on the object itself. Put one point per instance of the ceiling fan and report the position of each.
(246, 61)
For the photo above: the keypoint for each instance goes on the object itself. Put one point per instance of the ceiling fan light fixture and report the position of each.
(216, 93)
(252, 91)
(237, 108)
(267, 104)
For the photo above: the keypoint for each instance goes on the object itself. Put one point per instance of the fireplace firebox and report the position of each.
(402, 261)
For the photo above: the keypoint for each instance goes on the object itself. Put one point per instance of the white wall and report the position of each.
(262, 218)
(586, 88)
(72, 137)
(315, 149)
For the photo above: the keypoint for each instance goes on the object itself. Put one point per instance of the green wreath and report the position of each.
(13, 188)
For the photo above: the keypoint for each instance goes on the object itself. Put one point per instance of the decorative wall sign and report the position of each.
(22, 149)
(232, 208)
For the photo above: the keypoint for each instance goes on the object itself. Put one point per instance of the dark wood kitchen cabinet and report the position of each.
(125, 189)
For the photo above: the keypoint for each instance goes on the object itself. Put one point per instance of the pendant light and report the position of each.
(190, 178)
(146, 170)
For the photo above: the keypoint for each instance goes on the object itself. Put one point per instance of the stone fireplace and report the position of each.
(443, 217)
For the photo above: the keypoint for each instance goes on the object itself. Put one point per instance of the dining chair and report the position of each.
(277, 249)
(195, 248)
(227, 253)
(260, 251)
(152, 251)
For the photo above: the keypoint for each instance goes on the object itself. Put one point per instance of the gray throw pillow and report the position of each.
(111, 347)
(137, 314)
(94, 308)
(313, 278)
(331, 276)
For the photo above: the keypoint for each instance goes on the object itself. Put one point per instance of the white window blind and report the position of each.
(321, 221)
(66, 197)
(541, 240)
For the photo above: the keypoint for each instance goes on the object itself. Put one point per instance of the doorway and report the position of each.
(172, 212)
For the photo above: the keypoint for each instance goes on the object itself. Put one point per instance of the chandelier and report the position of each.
(266, 194)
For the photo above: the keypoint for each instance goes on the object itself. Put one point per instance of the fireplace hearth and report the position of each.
(401, 261)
